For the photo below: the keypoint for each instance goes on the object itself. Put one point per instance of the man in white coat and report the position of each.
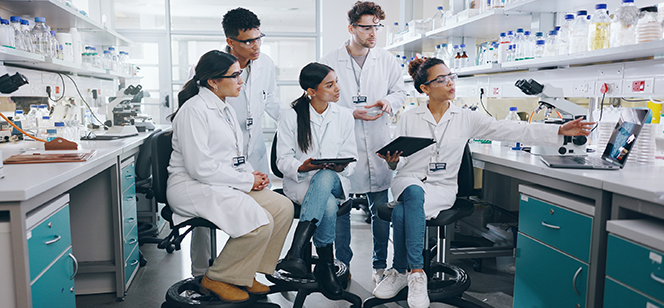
(258, 96)
(372, 86)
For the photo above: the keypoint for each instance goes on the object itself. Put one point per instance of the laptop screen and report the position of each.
(624, 135)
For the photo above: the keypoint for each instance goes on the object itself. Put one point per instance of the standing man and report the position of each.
(372, 86)
(258, 95)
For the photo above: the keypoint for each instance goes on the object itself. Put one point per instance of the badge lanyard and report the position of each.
(439, 143)
(229, 120)
(249, 122)
(352, 65)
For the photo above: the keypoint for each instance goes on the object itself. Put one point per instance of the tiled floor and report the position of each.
(489, 288)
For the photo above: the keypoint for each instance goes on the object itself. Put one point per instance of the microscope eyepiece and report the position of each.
(529, 87)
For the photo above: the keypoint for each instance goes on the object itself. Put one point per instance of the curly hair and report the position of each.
(419, 70)
(239, 19)
(361, 8)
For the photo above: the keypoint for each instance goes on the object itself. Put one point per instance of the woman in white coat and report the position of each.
(314, 128)
(210, 178)
(426, 182)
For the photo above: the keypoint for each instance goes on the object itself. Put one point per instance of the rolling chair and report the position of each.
(446, 290)
(306, 286)
(187, 292)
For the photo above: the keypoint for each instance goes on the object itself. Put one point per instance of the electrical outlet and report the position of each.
(614, 87)
(638, 86)
(496, 91)
(582, 88)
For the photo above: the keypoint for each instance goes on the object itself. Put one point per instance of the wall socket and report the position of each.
(584, 88)
(614, 87)
(638, 86)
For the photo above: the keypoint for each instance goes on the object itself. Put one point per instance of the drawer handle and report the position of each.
(131, 220)
(129, 177)
(655, 278)
(130, 198)
(576, 275)
(550, 226)
(133, 263)
(132, 241)
(75, 266)
(57, 238)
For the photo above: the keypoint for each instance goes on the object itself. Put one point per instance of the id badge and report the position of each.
(249, 123)
(238, 161)
(359, 99)
(433, 167)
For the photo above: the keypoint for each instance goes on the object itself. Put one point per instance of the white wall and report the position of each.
(334, 31)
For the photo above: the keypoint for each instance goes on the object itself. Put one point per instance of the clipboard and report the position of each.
(338, 161)
(408, 145)
(52, 157)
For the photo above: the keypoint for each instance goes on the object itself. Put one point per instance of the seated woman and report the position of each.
(426, 182)
(314, 128)
(210, 178)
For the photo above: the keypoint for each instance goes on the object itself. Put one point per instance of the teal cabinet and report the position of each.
(54, 288)
(47, 240)
(546, 277)
(129, 221)
(617, 295)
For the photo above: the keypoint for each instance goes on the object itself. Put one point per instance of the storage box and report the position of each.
(465, 14)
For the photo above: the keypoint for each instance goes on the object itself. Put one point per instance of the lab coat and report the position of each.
(260, 90)
(381, 77)
(202, 181)
(336, 141)
(455, 128)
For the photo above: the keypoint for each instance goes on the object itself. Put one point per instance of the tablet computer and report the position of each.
(338, 161)
(408, 145)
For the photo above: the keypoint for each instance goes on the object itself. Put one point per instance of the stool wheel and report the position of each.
(284, 277)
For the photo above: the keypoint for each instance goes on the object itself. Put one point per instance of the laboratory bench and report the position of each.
(571, 221)
(71, 225)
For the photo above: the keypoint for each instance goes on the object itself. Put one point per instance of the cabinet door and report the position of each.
(47, 240)
(55, 288)
(619, 296)
(545, 277)
(635, 265)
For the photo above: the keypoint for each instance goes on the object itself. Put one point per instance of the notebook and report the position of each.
(618, 148)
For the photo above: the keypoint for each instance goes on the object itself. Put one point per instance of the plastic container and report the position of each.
(504, 43)
(391, 36)
(65, 39)
(539, 48)
(76, 45)
(648, 28)
(27, 36)
(518, 41)
(513, 117)
(51, 134)
(623, 25)
(551, 48)
(598, 29)
(41, 37)
(579, 33)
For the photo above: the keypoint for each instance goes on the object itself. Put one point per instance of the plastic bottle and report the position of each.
(7, 34)
(525, 47)
(564, 35)
(648, 28)
(438, 18)
(579, 33)
(51, 133)
(518, 40)
(61, 130)
(551, 46)
(31, 118)
(76, 45)
(43, 111)
(623, 25)
(18, 120)
(391, 36)
(598, 29)
(27, 36)
(539, 48)
(512, 116)
(502, 47)
(54, 44)
(43, 124)
(41, 37)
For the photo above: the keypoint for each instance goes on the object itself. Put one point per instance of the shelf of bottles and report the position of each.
(40, 62)
(485, 25)
(61, 16)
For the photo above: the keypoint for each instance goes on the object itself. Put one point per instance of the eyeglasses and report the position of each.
(251, 42)
(369, 28)
(442, 79)
(235, 76)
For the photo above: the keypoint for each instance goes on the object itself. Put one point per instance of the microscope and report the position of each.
(551, 98)
(119, 112)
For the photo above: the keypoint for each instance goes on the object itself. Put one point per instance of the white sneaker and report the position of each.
(418, 296)
(391, 284)
(376, 277)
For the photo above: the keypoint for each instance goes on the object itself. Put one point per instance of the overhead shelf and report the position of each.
(486, 25)
(479, 69)
(35, 61)
(60, 16)
(569, 6)
(13, 55)
(415, 44)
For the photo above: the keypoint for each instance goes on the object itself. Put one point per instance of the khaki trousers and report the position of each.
(257, 251)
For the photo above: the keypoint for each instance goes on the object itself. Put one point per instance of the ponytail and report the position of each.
(189, 90)
(301, 107)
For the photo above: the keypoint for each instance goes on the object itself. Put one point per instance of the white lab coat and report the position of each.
(202, 181)
(381, 77)
(260, 90)
(336, 136)
(456, 127)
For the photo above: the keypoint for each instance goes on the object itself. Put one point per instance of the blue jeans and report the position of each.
(380, 230)
(320, 203)
(409, 222)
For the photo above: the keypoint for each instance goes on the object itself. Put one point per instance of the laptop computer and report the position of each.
(617, 149)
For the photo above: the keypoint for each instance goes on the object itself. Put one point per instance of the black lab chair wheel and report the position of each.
(190, 293)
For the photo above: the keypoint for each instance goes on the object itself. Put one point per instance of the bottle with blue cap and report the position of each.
(512, 116)
(551, 45)
(440, 18)
(579, 33)
(27, 36)
(598, 29)
(563, 35)
(393, 33)
(41, 36)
